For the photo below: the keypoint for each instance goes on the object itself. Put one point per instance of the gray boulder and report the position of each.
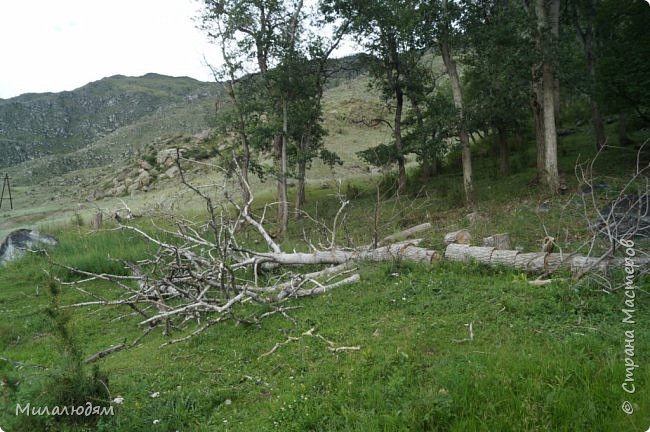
(22, 240)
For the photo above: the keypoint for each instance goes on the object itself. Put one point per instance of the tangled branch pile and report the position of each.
(203, 274)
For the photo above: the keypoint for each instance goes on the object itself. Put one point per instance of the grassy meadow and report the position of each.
(446, 347)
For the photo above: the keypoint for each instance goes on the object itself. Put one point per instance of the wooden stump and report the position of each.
(406, 233)
(96, 221)
(498, 241)
(461, 237)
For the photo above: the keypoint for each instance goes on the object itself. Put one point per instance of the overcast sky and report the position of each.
(56, 45)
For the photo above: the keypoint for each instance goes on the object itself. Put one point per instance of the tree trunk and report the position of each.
(399, 99)
(538, 117)
(457, 94)
(300, 193)
(587, 37)
(281, 157)
(408, 251)
(246, 152)
(548, 24)
(426, 169)
(551, 177)
(503, 151)
(599, 126)
(623, 139)
(282, 195)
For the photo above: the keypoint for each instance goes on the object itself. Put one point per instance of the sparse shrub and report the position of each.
(68, 383)
(352, 191)
(388, 182)
(77, 220)
(150, 159)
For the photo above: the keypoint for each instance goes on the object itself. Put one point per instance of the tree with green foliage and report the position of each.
(244, 31)
(546, 88)
(430, 119)
(390, 32)
(446, 33)
(496, 63)
(583, 16)
(276, 99)
(623, 60)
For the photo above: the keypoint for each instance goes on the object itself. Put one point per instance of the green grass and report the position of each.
(542, 358)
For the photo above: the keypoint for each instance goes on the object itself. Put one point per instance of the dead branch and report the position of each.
(406, 233)
(103, 353)
(310, 333)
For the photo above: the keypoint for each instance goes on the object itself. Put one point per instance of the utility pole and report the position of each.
(6, 185)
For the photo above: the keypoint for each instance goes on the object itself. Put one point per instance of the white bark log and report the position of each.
(406, 250)
(498, 241)
(534, 262)
(457, 252)
(406, 233)
(481, 254)
(504, 257)
(462, 236)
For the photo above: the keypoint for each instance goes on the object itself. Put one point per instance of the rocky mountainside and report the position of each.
(48, 134)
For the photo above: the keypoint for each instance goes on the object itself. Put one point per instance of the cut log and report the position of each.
(406, 233)
(535, 262)
(457, 252)
(461, 237)
(481, 254)
(498, 241)
(405, 250)
(529, 261)
(556, 261)
(504, 257)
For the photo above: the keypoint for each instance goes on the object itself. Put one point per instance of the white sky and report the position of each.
(57, 45)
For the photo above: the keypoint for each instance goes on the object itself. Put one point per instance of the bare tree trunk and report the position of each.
(587, 37)
(283, 204)
(457, 94)
(548, 24)
(243, 138)
(550, 133)
(401, 183)
(426, 169)
(599, 126)
(623, 139)
(503, 151)
(538, 117)
(300, 193)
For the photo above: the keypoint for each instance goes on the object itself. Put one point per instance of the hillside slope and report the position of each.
(42, 132)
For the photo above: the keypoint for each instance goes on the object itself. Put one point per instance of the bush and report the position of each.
(68, 383)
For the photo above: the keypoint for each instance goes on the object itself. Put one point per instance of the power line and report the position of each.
(6, 185)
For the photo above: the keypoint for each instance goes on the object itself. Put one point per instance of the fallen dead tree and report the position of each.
(536, 262)
(230, 268)
(204, 274)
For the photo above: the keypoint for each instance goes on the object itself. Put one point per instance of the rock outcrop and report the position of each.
(18, 242)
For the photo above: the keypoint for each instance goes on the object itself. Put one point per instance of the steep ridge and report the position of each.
(103, 120)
